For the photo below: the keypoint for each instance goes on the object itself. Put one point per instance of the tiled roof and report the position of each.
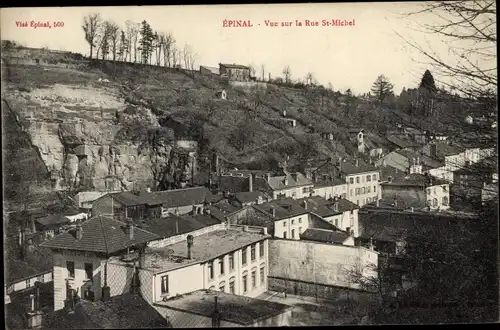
(349, 168)
(235, 66)
(232, 308)
(284, 208)
(177, 197)
(325, 236)
(445, 149)
(171, 225)
(206, 220)
(328, 181)
(293, 180)
(237, 184)
(102, 235)
(127, 311)
(205, 247)
(53, 220)
(250, 196)
(127, 198)
(324, 208)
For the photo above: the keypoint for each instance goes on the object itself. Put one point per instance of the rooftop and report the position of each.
(349, 168)
(127, 198)
(289, 180)
(53, 220)
(212, 69)
(177, 197)
(402, 141)
(324, 207)
(250, 196)
(324, 235)
(127, 311)
(101, 235)
(327, 181)
(205, 247)
(413, 180)
(284, 208)
(171, 225)
(446, 149)
(232, 308)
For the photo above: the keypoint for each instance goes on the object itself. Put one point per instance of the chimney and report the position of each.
(357, 162)
(264, 230)
(190, 240)
(411, 209)
(148, 189)
(286, 180)
(418, 160)
(273, 211)
(336, 206)
(176, 226)
(268, 177)
(32, 223)
(250, 182)
(79, 231)
(305, 204)
(378, 202)
(130, 229)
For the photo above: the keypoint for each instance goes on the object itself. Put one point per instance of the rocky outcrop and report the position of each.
(90, 139)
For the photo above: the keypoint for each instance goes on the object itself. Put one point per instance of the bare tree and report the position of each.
(192, 62)
(132, 33)
(90, 26)
(113, 35)
(287, 72)
(175, 55)
(252, 70)
(469, 30)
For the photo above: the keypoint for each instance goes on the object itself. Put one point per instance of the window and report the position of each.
(304, 190)
(245, 283)
(261, 249)
(363, 190)
(368, 178)
(357, 179)
(374, 188)
(70, 266)
(351, 180)
(28, 283)
(222, 286)
(435, 202)
(284, 234)
(293, 221)
(300, 220)
(210, 270)
(254, 279)
(374, 177)
(262, 274)
(445, 200)
(89, 271)
(293, 233)
(164, 284)
(368, 189)
(244, 256)
(252, 252)
(284, 223)
(357, 191)
(231, 286)
(221, 266)
(231, 261)
(293, 194)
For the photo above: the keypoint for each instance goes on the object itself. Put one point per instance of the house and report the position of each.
(52, 225)
(290, 219)
(402, 141)
(284, 184)
(471, 179)
(213, 308)
(328, 186)
(209, 70)
(80, 256)
(234, 72)
(424, 190)
(368, 144)
(362, 181)
(246, 198)
(408, 160)
(489, 193)
(327, 236)
(338, 211)
(177, 201)
(122, 205)
(452, 155)
(223, 257)
(86, 198)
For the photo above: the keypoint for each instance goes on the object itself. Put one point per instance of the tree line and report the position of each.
(135, 43)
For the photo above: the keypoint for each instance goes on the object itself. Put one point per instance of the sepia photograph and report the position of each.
(256, 165)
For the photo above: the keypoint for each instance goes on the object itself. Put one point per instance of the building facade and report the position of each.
(234, 72)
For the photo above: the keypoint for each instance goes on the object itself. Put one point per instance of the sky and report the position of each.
(345, 56)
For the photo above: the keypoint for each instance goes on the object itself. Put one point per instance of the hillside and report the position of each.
(97, 125)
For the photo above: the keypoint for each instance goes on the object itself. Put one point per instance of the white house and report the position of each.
(469, 119)
(362, 182)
